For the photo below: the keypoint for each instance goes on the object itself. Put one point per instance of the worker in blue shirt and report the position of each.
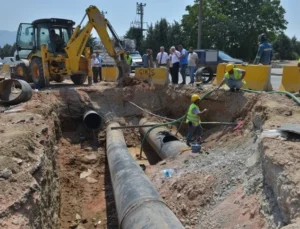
(265, 51)
(183, 62)
(99, 58)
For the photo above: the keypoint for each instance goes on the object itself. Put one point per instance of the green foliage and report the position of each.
(91, 43)
(137, 35)
(229, 25)
(164, 34)
(233, 26)
(7, 50)
(287, 49)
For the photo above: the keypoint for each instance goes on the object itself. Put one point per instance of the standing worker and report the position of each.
(265, 51)
(150, 63)
(128, 61)
(234, 78)
(174, 59)
(193, 119)
(99, 58)
(183, 62)
(192, 63)
(95, 67)
(162, 58)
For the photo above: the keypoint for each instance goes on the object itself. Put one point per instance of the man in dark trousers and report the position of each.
(265, 51)
(99, 58)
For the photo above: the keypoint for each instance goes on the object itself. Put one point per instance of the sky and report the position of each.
(120, 13)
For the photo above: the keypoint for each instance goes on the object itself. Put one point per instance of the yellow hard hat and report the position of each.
(229, 67)
(195, 97)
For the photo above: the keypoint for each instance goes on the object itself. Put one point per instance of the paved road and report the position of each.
(276, 71)
(275, 80)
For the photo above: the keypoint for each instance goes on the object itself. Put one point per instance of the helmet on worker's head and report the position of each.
(195, 97)
(262, 37)
(229, 67)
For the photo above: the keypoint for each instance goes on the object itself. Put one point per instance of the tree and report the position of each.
(233, 26)
(295, 45)
(13, 49)
(6, 51)
(164, 34)
(92, 43)
(283, 46)
(137, 35)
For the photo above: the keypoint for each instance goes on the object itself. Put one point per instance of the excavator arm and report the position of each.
(80, 36)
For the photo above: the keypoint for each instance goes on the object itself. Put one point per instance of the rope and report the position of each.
(274, 92)
(203, 97)
(151, 112)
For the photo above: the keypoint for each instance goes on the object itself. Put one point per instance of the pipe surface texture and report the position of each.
(13, 92)
(162, 141)
(138, 203)
(92, 120)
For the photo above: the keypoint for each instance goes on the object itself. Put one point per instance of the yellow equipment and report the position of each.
(195, 97)
(53, 49)
(229, 67)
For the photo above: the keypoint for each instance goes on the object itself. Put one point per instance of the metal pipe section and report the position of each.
(13, 92)
(162, 141)
(138, 203)
(92, 120)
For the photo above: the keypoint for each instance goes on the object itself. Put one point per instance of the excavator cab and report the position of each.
(53, 49)
(53, 32)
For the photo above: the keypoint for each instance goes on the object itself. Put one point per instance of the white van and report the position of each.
(8, 60)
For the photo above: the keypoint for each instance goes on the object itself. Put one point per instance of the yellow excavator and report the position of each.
(54, 49)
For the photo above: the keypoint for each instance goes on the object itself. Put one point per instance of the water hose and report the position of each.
(208, 94)
(169, 123)
(291, 95)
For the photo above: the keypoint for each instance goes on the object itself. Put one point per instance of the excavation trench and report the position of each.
(232, 172)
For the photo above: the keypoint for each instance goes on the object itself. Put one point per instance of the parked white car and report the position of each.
(8, 60)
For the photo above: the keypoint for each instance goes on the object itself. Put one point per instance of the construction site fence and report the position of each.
(290, 80)
(258, 77)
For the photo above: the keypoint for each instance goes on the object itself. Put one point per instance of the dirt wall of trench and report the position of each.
(29, 142)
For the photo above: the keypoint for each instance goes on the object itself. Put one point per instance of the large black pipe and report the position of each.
(162, 141)
(92, 120)
(138, 203)
(13, 92)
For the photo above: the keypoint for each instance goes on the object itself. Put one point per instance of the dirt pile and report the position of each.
(251, 176)
(185, 193)
(29, 188)
(54, 172)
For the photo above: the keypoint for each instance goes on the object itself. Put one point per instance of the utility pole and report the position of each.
(140, 11)
(199, 24)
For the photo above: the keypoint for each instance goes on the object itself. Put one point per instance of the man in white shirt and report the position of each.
(95, 67)
(175, 64)
(162, 57)
(192, 63)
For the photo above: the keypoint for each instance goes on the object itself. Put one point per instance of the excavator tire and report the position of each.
(206, 74)
(37, 73)
(22, 72)
(79, 78)
(58, 78)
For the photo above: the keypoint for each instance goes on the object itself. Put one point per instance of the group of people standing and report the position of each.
(175, 60)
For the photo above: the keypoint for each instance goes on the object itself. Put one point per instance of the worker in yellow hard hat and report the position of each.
(234, 78)
(193, 119)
